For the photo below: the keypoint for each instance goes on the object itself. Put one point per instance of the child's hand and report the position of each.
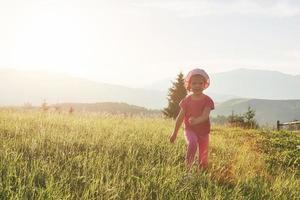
(173, 137)
(193, 120)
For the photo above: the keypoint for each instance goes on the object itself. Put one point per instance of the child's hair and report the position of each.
(197, 71)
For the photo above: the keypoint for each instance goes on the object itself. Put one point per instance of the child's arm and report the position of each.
(204, 117)
(179, 120)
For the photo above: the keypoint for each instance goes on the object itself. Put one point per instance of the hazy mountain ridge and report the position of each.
(247, 83)
(165, 84)
(107, 107)
(19, 87)
(267, 111)
(259, 84)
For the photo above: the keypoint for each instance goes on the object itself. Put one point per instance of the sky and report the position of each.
(137, 42)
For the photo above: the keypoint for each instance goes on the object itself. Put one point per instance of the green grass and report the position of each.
(98, 156)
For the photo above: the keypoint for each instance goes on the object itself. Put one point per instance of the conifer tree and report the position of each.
(249, 118)
(249, 115)
(176, 93)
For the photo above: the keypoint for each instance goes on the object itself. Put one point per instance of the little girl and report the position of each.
(194, 111)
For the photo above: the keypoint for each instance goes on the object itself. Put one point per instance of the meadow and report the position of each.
(102, 156)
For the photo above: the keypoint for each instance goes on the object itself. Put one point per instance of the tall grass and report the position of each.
(101, 156)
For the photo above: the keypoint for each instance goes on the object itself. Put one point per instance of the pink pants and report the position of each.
(193, 141)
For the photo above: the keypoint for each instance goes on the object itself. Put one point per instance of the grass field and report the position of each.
(99, 156)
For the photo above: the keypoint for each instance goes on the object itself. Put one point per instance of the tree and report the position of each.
(176, 93)
(236, 120)
(246, 120)
(249, 115)
(249, 118)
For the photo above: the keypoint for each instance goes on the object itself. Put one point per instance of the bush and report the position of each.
(245, 121)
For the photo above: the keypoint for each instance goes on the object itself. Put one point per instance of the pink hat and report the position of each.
(196, 72)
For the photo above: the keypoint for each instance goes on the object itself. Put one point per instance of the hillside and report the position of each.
(267, 111)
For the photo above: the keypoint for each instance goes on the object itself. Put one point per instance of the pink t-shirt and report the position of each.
(194, 108)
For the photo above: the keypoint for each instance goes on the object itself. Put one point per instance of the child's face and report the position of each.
(197, 84)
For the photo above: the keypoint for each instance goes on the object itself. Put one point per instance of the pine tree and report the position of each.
(176, 93)
(249, 118)
(249, 115)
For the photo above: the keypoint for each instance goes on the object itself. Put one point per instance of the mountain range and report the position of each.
(35, 87)
(266, 111)
(272, 94)
(246, 83)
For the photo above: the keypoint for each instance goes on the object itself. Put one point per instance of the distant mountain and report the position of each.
(259, 84)
(246, 83)
(267, 111)
(165, 84)
(161, 85)
(219, 98)
(108, 107)
(18, 87)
